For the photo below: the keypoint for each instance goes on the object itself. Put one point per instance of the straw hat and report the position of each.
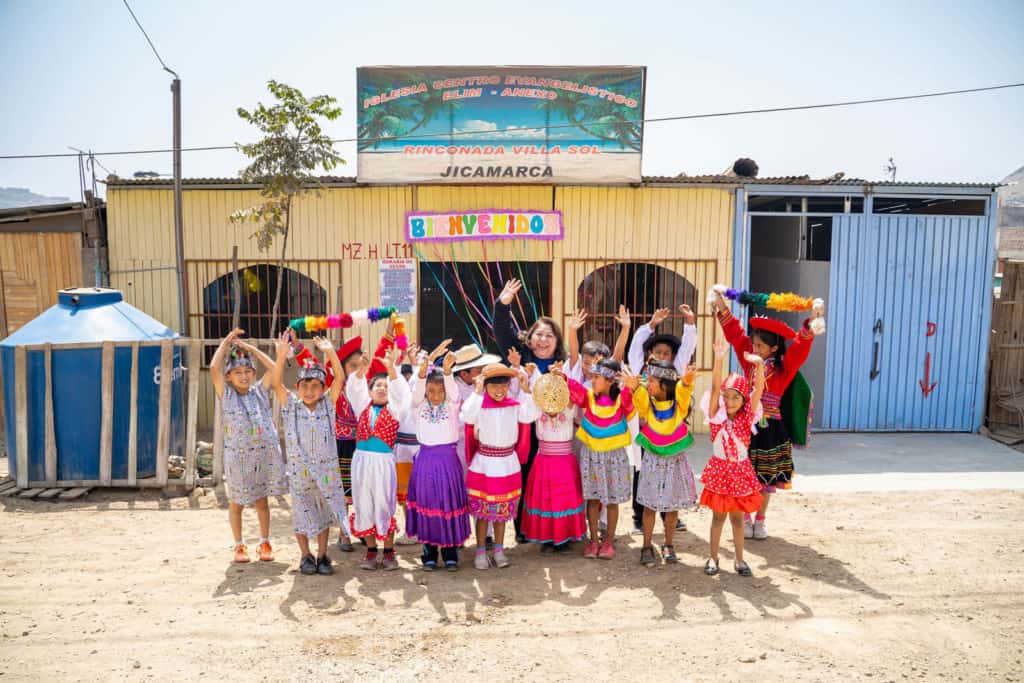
(495, 370)
(470, 356)
(551, 393)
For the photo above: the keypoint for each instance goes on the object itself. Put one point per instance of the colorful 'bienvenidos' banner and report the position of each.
(484, 224)
(544, 125)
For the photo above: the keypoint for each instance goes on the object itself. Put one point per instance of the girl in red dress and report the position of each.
(731, 488)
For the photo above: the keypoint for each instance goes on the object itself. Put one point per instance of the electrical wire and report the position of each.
(660, 119)
(146, 35)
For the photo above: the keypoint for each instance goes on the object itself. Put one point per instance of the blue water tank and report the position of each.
(91, 315)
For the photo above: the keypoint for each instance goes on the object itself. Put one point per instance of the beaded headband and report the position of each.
(239, 360)
(607, 373)
(669, 374)
(311, 370)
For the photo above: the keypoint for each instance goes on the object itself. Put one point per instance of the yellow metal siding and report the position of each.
(613, 223)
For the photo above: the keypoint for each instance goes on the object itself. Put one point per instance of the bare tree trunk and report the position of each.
(280, 267)
(236, 316)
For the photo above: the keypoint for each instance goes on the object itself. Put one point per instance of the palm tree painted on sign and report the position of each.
(401, 117)
(599, 118)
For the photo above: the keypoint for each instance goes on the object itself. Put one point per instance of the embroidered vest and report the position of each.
(385, 429)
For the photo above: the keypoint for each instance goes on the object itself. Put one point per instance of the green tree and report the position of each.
(284, 163)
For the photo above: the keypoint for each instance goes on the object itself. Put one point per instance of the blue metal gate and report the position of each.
(909, 300)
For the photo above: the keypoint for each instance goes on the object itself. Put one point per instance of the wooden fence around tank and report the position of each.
(193, 349)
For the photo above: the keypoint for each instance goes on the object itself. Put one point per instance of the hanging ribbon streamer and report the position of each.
(454, 267)
(319, 323)
(440, 285)
(526, 288)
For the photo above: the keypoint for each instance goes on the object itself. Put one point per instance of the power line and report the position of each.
(146, 35)
(661, 119)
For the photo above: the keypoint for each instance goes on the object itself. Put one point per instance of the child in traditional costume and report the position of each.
(582, 359)
(647, 346)
(470, 361)
(553, 506)
(379, 400)
(604, 437)
(771, 448)
(437, 507)
(350, 354)
(253, 465)
(318, 499)
(666, 478)
(731, 488)
(497, 443)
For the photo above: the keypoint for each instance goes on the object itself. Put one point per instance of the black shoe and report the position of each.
(323, 566)
(451, 565)
(520, 539)
(743, 569)
(547, 548)
(308, 565)
(345, 545)
(680, 525)
(563, 548)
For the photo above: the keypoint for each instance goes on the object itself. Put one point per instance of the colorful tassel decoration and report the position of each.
(785, 301)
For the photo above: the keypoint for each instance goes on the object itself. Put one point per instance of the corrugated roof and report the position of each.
(801, 180)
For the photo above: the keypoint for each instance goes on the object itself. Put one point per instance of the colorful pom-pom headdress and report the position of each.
(786, 302)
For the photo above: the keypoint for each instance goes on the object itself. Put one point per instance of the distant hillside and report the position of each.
(15, 197)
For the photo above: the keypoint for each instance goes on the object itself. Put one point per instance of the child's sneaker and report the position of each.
(406, 540)
(590, 552)
(748, 528)
(323, 566)
(369, 562)
(241, 553)
(308, 565)
(500, 560)
(481, 561)
(390, 562)
(266, 552)
(647, 558)
(607, 551)
(760, 530)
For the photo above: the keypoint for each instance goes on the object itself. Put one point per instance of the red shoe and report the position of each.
(241, 553)
(590, 552)
(266, 552)
(607, 551)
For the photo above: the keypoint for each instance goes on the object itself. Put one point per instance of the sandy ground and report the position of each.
(883, 587)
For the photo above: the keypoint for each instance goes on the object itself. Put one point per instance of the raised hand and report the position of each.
(282, 345)
(323, 345)
(440, 350)
(364, 366)
(510, 292)
(479, 384)
(449, 362)
(515, 358)
(627, 377)
(577, 319)
(530, 369)
(721, 348)
(623, 317)
(690, 376)
(688, 317)
(660, 316)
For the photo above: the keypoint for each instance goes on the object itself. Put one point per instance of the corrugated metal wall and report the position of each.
(358, 225)
(927, 280)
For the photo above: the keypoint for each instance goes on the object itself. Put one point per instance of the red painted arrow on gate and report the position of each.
(927, 388)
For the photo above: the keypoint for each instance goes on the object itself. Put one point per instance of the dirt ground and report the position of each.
(880, 587)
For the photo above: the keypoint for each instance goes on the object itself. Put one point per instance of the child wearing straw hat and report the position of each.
(497, 442)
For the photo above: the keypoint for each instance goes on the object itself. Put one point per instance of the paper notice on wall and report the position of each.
(398, 284)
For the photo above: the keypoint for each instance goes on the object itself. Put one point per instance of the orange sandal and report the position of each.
(241, 553)
(266, 552)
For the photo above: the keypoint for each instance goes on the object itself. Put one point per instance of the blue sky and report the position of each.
(80, 73)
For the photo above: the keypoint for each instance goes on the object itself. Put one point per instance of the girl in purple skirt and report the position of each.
(437, 507)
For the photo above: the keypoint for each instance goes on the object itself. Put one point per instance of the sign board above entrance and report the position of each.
(485, 224)
(502, 125)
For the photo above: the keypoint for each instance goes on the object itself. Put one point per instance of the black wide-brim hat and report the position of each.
(669, 339)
